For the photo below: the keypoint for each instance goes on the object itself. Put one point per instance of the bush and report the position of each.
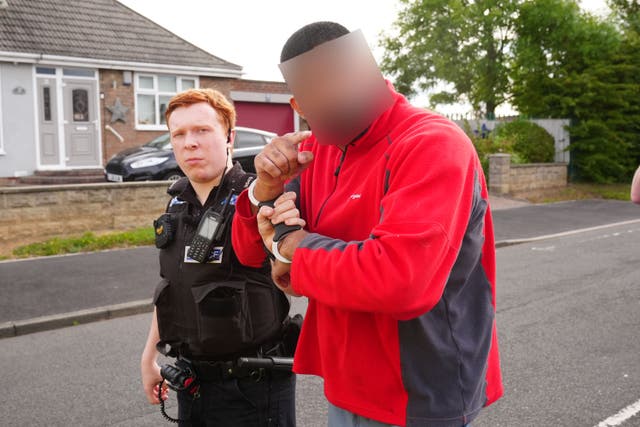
(529, 142)
(486, 143)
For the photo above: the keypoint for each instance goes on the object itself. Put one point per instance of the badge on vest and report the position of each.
(215, 256)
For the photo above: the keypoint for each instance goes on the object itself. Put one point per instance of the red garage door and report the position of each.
(276, 118)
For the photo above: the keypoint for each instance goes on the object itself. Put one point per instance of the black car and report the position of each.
(155, 160)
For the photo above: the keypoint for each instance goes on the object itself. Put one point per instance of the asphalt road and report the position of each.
(545, 219)
(53, 285)
(569, 328)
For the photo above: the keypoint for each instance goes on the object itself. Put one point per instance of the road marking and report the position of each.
(544, 248)
(564, 233)
(622, 416)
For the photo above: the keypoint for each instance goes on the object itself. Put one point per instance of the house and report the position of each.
(81, 80)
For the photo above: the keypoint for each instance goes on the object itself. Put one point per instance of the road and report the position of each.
(52, 285)
(569, 328)
(57, 285)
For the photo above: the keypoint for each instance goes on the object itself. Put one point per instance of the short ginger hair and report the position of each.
(216, 99)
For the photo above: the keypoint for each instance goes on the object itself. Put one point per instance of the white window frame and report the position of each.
(157, 93)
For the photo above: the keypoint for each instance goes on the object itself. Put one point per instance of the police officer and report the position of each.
(209, 309)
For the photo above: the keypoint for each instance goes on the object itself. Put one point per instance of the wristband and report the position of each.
(277, 254)
(255, 202)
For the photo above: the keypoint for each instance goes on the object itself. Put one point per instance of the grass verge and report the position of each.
(581, 191)
(88, 242)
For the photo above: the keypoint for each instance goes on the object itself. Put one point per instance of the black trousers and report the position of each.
(244, 402)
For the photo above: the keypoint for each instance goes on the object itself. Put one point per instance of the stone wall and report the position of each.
(518, 179)
(31, 214)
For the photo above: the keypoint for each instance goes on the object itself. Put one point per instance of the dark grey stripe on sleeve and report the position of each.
(444, 352)
(315, 241)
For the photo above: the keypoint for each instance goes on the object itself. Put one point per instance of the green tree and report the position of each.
(569, 64)
(627, 13)
(460, 45)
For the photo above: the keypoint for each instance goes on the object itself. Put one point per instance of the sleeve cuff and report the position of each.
(243, 208)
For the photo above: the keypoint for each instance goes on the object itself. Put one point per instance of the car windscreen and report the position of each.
(248, 139)
(163, 142)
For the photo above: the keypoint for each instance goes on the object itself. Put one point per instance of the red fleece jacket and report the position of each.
(400, 249)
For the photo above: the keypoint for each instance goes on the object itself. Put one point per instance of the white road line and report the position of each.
(565, 233)
(622, 416)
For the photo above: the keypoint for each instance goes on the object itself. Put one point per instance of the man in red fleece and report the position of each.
(396, 256)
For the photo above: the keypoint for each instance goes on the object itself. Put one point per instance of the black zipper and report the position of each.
(335, 185)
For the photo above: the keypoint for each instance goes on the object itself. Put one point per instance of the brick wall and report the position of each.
(505, 178)
(259, 86)
(112, 87)
(220, 84)
(31, 214)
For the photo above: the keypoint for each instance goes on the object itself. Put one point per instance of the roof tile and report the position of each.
(96, 29)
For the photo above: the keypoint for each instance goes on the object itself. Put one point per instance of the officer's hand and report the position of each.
(151, 380)
(278, 162)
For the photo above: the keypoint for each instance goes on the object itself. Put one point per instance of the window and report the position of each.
(248, 139)
(45, 70)
(153, 93)
(78, 72)
(46, 99)
(80, 100)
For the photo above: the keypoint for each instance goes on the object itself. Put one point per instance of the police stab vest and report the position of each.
(218, 308)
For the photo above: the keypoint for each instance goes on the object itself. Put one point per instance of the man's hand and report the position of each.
(278, 162)
(284, 210)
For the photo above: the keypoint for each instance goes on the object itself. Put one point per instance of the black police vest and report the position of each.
(220, 308)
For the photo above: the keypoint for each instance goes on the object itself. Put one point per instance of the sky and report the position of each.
(251, 33)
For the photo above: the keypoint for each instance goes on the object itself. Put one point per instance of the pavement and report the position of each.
(53, 292)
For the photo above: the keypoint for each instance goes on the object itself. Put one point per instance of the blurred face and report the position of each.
(199, 140)
(338, 88)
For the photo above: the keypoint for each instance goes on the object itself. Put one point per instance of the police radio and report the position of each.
(209, 230)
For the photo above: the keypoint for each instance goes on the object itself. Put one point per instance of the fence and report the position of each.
(556, 127)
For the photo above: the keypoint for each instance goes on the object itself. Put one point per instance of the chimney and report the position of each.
(4, 4)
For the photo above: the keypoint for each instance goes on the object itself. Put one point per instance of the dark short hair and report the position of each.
(310, 36)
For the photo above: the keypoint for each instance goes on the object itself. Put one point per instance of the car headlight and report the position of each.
(151, 161)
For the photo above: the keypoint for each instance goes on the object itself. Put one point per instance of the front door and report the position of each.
(48, 121)
(80, 123)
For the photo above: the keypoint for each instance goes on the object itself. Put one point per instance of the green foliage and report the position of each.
(530, 142)
(86, 243)
(463, 45)
(485, 144)
(546, 57)
(573, 65)
(525, 141)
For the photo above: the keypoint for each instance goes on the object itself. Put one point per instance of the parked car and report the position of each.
(155, 159)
